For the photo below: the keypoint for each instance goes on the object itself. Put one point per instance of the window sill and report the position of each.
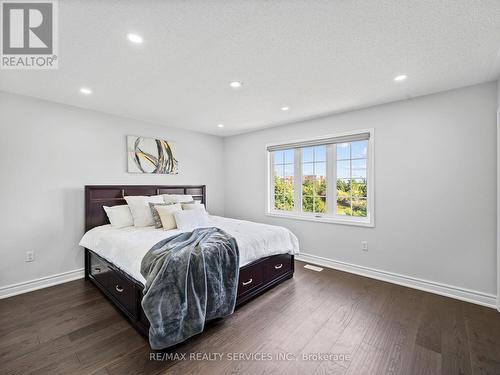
(323, 219)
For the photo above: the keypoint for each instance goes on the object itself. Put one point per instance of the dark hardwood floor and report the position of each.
(365, 326)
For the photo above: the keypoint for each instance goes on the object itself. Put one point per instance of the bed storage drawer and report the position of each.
(99, 270)
(278, 265)
(114, 284)
(251, 277)
(124, 291)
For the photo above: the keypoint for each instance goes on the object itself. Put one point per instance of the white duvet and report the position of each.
(125, 247)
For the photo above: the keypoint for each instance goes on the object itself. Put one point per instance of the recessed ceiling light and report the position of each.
(220, 125)
(134, 38)
(400, 77)
(236, 84)
(285, 108)
(85, 91)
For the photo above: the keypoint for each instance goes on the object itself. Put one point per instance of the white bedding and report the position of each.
(125, 247)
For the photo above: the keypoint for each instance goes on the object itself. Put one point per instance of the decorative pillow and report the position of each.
(191, 219)
(166, 213)
(139, 206)
(119, 216)
(177, 198)
(194, 205)
(154, 212)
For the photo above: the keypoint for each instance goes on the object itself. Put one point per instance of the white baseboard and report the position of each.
(43, 282)
(462, 294)
(484, 299)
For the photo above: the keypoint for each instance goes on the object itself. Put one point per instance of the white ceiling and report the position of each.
(316, 57)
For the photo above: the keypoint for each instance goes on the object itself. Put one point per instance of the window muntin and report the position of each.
(352, 189)
(283, 167)
(328, 181)
(313, 162)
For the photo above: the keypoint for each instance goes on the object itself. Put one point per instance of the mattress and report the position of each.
(125, 247)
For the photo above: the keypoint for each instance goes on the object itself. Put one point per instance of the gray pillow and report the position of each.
(156, 216)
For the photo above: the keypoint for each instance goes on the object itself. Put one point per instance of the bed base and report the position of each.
(126, 293)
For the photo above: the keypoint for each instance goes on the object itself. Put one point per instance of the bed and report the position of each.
(113, 256)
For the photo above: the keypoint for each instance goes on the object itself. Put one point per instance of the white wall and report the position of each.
(435, 187)
(48, 152)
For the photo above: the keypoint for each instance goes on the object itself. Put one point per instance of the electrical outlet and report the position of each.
(364, 245)
(30, 256)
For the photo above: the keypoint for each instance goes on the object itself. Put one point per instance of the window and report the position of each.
(351, 178)
(323, 179)
(283, 162)
(314, 179)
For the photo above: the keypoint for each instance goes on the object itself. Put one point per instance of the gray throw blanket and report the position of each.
(190, 278)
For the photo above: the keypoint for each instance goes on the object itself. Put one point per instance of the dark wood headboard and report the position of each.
(97, 196)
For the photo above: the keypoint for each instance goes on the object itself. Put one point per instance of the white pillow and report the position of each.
(177, 198)
(196, 205)
(141, 212)
(191, 219)
(119, 216)
(167, 215)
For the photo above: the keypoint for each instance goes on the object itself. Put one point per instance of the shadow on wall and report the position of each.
(72, 227)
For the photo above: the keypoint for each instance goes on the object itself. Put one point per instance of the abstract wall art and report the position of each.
(149, 155)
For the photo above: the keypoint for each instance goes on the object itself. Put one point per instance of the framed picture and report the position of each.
(149, 155)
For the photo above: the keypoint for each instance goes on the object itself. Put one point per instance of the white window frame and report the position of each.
(331, 215)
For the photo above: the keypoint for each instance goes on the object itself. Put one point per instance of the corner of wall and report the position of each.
(498, 195)
(224, 174)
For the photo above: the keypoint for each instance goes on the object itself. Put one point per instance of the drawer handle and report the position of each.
(278, 266)
(119, 289)
(97, 269)
(247, 282)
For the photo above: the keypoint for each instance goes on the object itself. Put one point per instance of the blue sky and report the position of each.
(314, 160)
